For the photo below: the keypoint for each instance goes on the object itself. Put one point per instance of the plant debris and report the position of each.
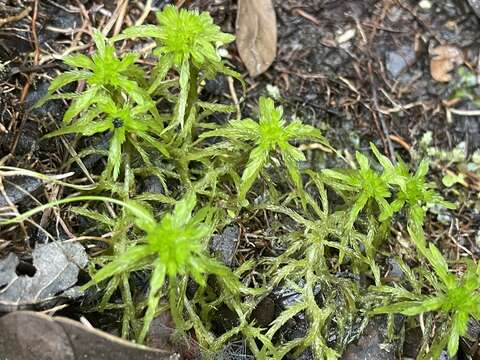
(56, 267)
(444, 59)
(19, 189)
(475, 4)
(61, 338)
(256, 34)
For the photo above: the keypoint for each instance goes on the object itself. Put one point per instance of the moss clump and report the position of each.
(334, 224)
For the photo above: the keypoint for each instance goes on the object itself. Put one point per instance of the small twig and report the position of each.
(4, 159)
(30, 69)
(386, 134)
(399, 140)
(146, 11)
(233, 93)
(79, 161)
(47, 212)
(4, 244)
(65, 53)
(179, 3)
(34, 33)
(465, 112)
(397, 107)
(85, 16)
(349, 84)
(36, 56)
(384, 28)
(52, 311)
(307, 16)
(121, 17)
(66, 31)
(360, 30)
(113, 19)
(302, 75)
(102, 238)
(15, 18)
(22, 122)
(147, 48)
(86, 323)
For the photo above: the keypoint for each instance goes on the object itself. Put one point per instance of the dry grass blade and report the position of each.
(6, 171)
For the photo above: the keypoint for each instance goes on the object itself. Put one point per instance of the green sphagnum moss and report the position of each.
(316, 250)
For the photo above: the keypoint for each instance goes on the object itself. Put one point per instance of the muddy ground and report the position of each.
(359, 69)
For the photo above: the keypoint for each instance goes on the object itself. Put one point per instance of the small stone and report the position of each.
(395, 271)
(216, 86)
(28, 335)
(225, 245)
(399, 60)
(152, 184)
(425, 4)
(346, 36)
(222, 52)
(373, 344)
(264, 313)
(274, 92)
(445, 219)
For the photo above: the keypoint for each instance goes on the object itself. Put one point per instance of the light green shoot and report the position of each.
(416, 194)
(122, 121)
(173, 247)
(455, 299)
(187, 41)
(368, 184)
(105, 75)
(270, 134)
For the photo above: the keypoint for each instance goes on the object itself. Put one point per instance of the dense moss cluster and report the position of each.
(245, 171)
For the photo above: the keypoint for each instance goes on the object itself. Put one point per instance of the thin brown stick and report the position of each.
(146, 11)
(121, 17)
(15, 18)
(34, 33)
(377, 115)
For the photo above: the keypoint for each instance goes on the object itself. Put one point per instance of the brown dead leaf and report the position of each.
(256, 32)
(444, 59)
(27, 335)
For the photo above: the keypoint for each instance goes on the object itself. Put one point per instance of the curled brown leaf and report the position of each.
(444, 59)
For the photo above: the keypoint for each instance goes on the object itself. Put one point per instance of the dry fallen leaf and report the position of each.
(444, 59)
(57, 265)
(256, 33)
(28, 335)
